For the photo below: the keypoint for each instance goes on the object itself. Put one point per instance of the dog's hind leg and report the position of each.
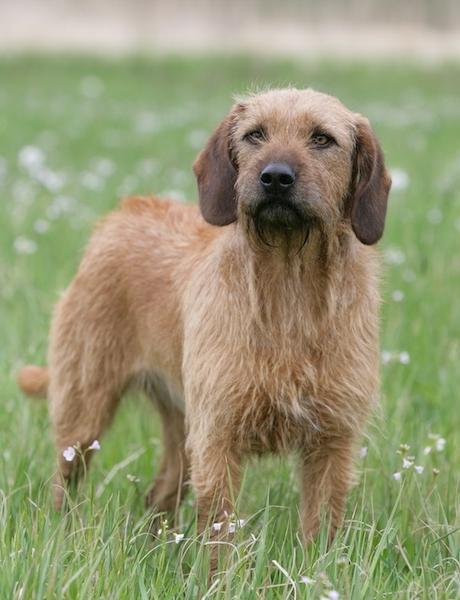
(80, 413)
(170, 484)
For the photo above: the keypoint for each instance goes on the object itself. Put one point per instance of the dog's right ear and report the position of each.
(216, 174)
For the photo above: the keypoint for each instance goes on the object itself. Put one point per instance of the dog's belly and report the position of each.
(161, 389)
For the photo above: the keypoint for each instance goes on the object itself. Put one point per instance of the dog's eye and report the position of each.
(255, 136)
(322, 140)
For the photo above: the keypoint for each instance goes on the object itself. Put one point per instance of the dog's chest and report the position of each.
(277, 411)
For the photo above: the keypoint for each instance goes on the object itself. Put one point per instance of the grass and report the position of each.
(75, 134)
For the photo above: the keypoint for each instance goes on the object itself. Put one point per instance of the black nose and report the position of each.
(277, 177)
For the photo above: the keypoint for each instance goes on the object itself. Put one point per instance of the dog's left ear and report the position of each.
(216, 174)
(370, 186)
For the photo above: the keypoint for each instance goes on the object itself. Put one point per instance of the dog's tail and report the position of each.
(33, 381)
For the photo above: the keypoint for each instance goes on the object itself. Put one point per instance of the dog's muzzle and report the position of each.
(276, 208)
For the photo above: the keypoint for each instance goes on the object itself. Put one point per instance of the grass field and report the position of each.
(75, 135)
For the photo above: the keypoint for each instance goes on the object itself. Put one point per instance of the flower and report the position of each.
(397, 476)
(363, 452)
(306, 580)
(427, 450)
(407, 463)
(439, 444)
(403, 449)
(24, 245)
(397, 296)
(331, 595)
(400, 179)
(217, 526)
(404, 358)
(95, 446)
(31, 157)
(231, 527)
(69, 453)
(178, 537)
(434, 216)
(419, 469)
(394, 256)
(386, 357)
(41, 226)
(132, 478)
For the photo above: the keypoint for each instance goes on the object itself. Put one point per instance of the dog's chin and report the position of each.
(278, 222)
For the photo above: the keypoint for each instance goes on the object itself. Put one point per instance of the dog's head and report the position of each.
(287, 161)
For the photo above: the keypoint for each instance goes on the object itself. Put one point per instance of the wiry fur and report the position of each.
(263, 348)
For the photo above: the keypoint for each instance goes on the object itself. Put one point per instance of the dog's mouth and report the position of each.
(279, 214)
(280, 221)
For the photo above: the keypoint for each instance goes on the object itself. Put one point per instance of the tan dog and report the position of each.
(254, 330)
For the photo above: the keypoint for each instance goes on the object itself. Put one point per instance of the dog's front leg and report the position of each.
(326, 476)
(215, 473)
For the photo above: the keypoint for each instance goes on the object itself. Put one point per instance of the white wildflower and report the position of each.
(397, 296)
(147, 122)
(217, 526)
(69, 453)
(407, 463)
(105, 167)
(386, 357)
(41, 226)
(399, 179)
(178, 537)
(394, 256)
(50, 179)
(31, 157)
(404, 358)
(95, 446)
(24, 245)
(427, 450)
(397, 476)
(434, 216)
(403, 449)
(363, 452)
(440, 444)
(60, 205)
(306, 580)
(419, 469)
(91, 181)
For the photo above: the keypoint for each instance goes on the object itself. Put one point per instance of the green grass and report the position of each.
(110, 128)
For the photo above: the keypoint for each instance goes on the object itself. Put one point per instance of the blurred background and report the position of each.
(418, 28)
(102, 99)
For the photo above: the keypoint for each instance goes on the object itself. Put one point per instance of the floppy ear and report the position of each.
(370, 186)
(216, 175)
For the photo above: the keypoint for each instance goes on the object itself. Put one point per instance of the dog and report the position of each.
(251, 320)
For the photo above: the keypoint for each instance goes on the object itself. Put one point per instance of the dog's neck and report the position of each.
(281, 282)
